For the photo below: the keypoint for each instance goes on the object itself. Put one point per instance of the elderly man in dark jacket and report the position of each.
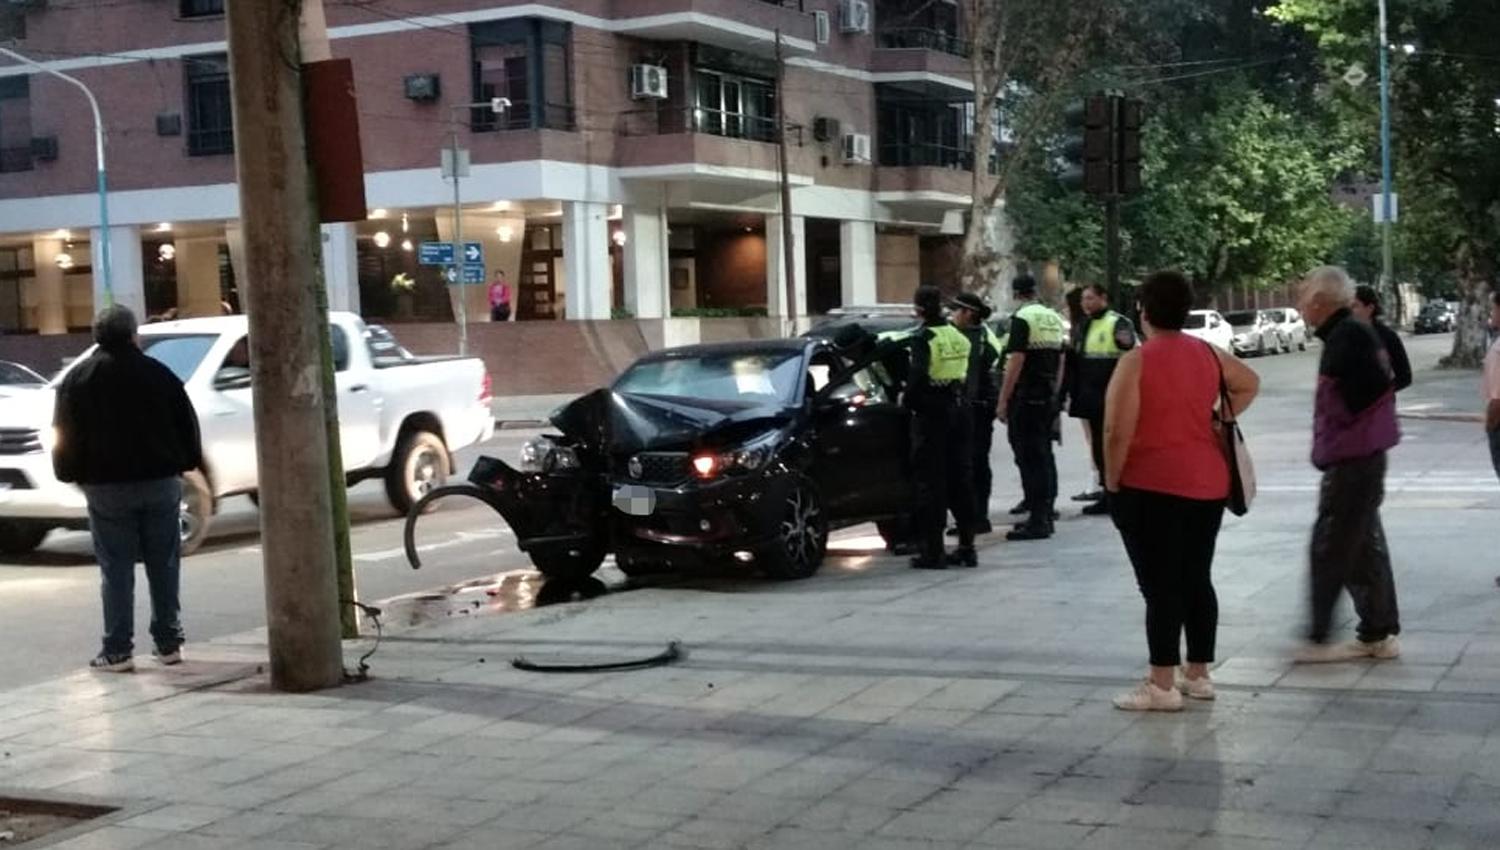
(126, 431)
(1354, 425)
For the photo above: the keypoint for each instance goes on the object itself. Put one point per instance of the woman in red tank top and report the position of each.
(1168, 477)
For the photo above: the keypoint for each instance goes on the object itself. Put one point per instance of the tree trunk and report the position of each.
(1470, 338)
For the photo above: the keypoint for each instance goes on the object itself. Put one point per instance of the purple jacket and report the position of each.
(1355, 408)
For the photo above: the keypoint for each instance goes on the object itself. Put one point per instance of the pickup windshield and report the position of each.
(749, 377)
(1240, 319)
(182, 353)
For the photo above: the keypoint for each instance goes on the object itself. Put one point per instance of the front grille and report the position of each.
(20, 441)
(658, 468)
(15, 479)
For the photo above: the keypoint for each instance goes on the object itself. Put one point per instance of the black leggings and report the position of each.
(1170, 541)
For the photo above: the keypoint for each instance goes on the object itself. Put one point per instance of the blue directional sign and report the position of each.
(435, 254)
(473, 274)
(473, 253)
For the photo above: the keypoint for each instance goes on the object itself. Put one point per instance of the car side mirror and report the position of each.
(232, 378)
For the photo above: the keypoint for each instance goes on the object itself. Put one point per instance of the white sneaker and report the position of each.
(1148, 697)
(1384, 649)
(1330, 653)
(1199, 688)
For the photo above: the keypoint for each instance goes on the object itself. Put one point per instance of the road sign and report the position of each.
(447, 163)
(1379, 203)
(473, 274)
(435, 254)
(450, 274)
(1356, 75)
(474, 253)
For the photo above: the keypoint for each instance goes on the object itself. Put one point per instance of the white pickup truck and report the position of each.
(401, 417)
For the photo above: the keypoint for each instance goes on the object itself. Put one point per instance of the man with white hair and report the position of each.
(1354, 425)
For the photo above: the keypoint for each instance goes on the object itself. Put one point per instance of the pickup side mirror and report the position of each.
(232, 378)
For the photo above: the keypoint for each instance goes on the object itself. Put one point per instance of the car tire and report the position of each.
(22, 537)
(196, 514)
(563, 563)
(419, 465)
(801, 536)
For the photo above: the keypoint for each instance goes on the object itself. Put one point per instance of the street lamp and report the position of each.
(109, 292)
(497, 105)
(1387, 250)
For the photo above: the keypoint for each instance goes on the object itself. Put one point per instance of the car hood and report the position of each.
(26, 408)
(630, 422)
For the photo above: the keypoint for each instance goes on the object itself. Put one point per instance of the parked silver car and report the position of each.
(1254, 333)
(1290, 327)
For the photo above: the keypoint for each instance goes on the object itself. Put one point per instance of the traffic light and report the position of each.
(1087, 149)
(1129, 152)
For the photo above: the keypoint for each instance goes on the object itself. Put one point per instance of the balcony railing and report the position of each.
(790, 4)
(922, 39)
(928, 154)
(666, 121)
(555, 116)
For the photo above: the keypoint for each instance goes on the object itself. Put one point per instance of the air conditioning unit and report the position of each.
(824, 27)
(423, 88)
(44, 148)
(648, 82)
(169, 124)
(854, 16)
(856, 148)
(825, 129)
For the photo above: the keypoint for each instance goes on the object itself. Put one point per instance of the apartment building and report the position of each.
(633, 173)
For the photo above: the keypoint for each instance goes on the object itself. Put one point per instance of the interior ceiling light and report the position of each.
(382, 239)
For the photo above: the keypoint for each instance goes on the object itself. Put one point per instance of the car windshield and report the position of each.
(1277, 316)
(1241, 319)
(747, 377)
(182, 353)
(1196, 321)
(13, 375)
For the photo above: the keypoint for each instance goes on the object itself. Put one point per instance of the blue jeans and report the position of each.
(131, 523)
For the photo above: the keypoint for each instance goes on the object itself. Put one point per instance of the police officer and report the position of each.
(1028, 404)
(982, 394)
(935, 397)
(1106, 337)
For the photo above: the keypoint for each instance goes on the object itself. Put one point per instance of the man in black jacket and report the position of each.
(126, 431)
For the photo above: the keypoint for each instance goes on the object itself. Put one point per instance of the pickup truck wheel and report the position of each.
(21, 537)
(418, 466)
(197, 511)
(801, 537)
(561, 562)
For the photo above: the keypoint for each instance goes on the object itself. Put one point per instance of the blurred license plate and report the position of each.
(635, 501)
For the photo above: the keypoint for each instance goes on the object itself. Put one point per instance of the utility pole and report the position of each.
(787, 232)
(1387, 250)
(458, 243)
(286, 345)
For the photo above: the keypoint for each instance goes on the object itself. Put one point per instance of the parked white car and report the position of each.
(1254, 333)
(1210, 327)
(1291, 327)
(401, 417)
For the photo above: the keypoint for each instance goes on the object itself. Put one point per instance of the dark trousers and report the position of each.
(1030, 432)
(1096, 445)
(1349, 551)
(939, 460)
(983, 443)
(500, 313)
(131, 523)
(1170, 541)
(1495, 450)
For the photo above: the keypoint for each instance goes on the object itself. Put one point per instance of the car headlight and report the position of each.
(749, 457)
(544, 454)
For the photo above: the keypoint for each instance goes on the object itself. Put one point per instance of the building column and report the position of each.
(776, 267)
(51, 290)
(646, 277)
(586, 251)
(857, 263)
(128, 272)
(198, 291)
(340, 267)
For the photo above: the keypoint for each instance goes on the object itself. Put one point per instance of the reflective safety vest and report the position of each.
(994, 341)
(949, 363)
(1099, 341)
(1045, 325)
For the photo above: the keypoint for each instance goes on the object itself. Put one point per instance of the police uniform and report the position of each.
(1037, 332)
(935, 396)
(986, 356)
(1105, 339)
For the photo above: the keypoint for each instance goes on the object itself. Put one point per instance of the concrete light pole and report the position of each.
(499, 106)
(102, 182)
(1387, 250)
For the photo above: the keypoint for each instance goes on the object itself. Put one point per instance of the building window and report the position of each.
(15, 124)
(200, 8)
(527, 62)
(210, 113)
(919, 24)
(736, 106)
(913, 130)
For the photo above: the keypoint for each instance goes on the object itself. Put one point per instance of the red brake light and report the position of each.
(705, 466)
(487, 388)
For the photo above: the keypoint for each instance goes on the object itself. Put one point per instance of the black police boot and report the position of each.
(1036, 528)
(963, 556)
(1099, 508)
(1021, 509)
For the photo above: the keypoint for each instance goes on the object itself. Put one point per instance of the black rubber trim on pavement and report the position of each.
(673, 653)
(421, 506)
